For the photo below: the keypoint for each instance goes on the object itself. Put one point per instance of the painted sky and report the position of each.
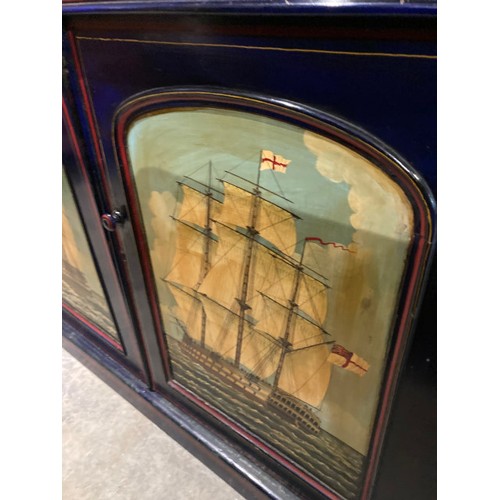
(182, 143)
(85, 260)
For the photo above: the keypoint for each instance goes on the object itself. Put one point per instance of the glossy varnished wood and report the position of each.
(384, 81)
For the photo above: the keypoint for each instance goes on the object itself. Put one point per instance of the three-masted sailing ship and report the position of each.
(251, 307)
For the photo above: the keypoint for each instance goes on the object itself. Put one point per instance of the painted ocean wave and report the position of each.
(324, 457)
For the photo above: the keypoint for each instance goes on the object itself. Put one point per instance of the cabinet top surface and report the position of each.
(373, 7)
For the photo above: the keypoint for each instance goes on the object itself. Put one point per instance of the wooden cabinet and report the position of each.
(248, 233)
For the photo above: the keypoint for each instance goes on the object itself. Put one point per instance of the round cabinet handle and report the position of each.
(109, 221)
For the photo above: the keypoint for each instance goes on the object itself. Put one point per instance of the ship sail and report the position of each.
(189, 311)
(190, 259)
(223, 282)
(70, 251)
(194, 206)
(195, 244)
(273, 223)
(307, 377)
(241, 294)
(305, 373)
(259, 355)
(312, 298)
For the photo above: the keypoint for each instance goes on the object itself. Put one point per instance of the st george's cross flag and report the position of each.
(340, 356)
(270, 161)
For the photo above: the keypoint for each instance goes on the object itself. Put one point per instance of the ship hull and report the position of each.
(279, 402)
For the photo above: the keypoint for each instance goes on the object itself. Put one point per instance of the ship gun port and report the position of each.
(295, 411)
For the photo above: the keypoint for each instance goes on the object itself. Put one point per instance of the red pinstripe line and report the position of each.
(412, 192)
(93, 327)
(89, 112)
(256, 441)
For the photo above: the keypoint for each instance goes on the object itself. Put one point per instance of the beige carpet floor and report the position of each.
(111, 451)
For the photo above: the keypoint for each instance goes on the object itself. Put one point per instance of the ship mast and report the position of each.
(206, 265)
(242, 301)
(285, 344)
(208, 226)
(200, 223)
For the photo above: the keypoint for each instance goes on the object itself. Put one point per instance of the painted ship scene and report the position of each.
(246, 327)
(81, 288)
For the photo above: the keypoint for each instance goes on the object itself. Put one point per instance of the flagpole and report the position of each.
(258, 169)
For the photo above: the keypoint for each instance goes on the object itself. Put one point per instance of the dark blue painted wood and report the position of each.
(373, 7)
(389, 97)
(392, 98)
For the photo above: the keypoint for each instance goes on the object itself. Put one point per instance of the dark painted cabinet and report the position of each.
(249, 231)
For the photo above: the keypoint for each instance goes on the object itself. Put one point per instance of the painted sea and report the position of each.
(78, 294)
(327, 459)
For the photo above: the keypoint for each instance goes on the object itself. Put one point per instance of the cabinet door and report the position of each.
(274, 251)
(91, 291)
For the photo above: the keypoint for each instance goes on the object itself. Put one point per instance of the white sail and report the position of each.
(279, 279)
(188, 310)
(223, 281)
(272, 222)
(305, 373)
(272, 317)
(70, 251)
(198, 207)
(247, 289)
(312, 298)
(237, 207)
(194, 206)
(190, 259)
(280, 276)
(259, 354)
(221, 328)
(277, 226)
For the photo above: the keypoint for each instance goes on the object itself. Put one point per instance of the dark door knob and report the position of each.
(109, 221)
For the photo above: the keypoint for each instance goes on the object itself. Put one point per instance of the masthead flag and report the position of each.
(270, 161)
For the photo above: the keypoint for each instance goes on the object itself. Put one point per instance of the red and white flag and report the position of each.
(340, 356)
(270, 161)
